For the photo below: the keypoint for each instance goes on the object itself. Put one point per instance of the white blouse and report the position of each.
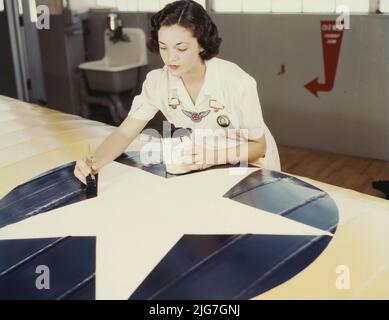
(228, 92)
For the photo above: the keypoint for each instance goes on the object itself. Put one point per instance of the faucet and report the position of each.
(115, 28)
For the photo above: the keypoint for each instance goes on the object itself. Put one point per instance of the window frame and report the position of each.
(373, 6)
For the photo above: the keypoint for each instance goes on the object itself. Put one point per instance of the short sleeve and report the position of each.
(250, 112)
(145, 105)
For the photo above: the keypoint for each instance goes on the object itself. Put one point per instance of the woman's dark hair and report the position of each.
(190, 15)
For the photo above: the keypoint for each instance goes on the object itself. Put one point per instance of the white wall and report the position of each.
(350, 119)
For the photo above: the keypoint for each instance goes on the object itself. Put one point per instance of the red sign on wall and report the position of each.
(331, 38)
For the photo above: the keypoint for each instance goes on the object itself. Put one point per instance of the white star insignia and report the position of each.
(138, 217)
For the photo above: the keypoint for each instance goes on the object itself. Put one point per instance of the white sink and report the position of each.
(118, 70)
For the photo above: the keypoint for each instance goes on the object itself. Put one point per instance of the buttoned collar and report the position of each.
(211, 88)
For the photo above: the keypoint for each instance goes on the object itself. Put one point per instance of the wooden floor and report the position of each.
(340, 170)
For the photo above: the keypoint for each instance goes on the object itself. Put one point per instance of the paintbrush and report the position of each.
(91, 180)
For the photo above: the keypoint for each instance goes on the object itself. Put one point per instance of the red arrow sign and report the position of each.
(331, 39)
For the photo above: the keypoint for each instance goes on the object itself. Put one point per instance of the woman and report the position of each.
(193, 90)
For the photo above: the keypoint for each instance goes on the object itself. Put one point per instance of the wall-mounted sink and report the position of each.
(118, 70)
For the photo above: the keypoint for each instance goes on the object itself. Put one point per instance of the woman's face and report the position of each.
(179, 49)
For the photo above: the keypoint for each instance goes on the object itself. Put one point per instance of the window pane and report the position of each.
(107, 3)
(1, 5)
(20, 7)
(33, 13)
(148, 5)
(163, 3)
(256, 5)
(202, 2)
(84, 5)
(127, 5)
(287, 6)
(355, 5)
(227, 5)
(319, 5)
(384, 5)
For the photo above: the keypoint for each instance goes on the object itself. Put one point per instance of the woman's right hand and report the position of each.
(84, 168)
(112, 147)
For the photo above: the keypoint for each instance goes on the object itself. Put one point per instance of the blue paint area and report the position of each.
(240, 267)
(54, 189)
(71, 263)
(189, 252)
(287, 196)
